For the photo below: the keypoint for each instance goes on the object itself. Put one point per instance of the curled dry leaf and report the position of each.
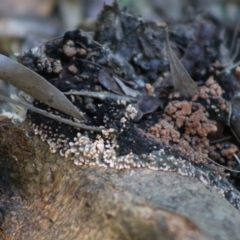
(127, 90)
(35, 86)
(106, 79)
(115, 84)
(146, 104)
(181, 79)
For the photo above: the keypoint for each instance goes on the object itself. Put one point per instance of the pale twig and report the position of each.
(101, 95)
(220, 140)
(229, 169)
(236, 157)
(236, 51)
(87, 61)
(231, 67)
(55, 117)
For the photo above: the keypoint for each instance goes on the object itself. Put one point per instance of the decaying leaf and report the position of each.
(35, 86)
(115, 84)
(146, 104)
(127, 90)
(106, 79)
(181, 79)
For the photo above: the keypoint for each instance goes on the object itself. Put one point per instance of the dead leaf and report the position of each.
(106, 79)
(127, 90)
(181, 79)
(35, 86)
(147, 104)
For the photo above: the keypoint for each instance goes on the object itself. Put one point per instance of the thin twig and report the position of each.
(55, 117)
(229, 169)
(231, 67)
(220, 140)
(236, 157)
(90, 62)
(101, 95)
(236, 51)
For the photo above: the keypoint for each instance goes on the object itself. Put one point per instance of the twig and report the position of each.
(220, 140)
(57, 118)
(236, 157)
(229, 123)
(101, 95)
(231, 67)
(229, 169)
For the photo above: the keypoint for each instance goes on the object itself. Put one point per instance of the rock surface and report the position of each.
(44, 196)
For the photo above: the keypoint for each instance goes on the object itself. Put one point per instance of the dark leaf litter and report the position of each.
(156, 127)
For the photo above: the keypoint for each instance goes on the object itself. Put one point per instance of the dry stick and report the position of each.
(101, 95)
(235, 135)
(90, 62)
(231, 67)
(229, 169)
(236, 51)
(220, 140)
(236, 157)
(57, 118)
